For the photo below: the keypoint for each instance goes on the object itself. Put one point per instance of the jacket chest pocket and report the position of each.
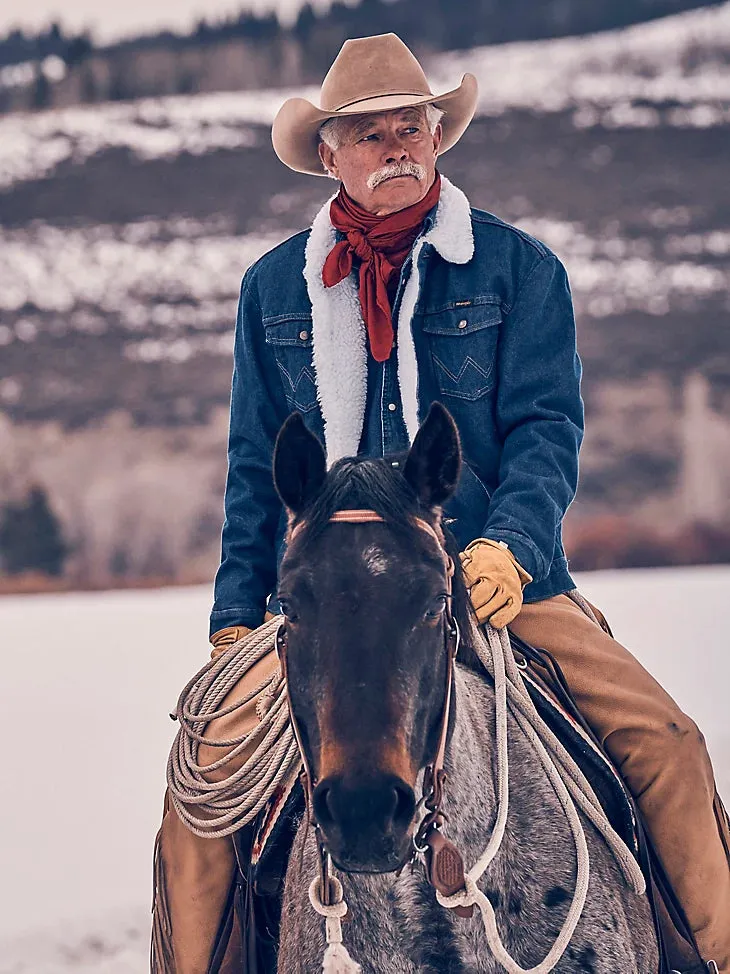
(290, 337)
(463, 345)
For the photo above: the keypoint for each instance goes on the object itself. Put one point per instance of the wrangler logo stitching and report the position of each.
(454, 387)
(305, 376)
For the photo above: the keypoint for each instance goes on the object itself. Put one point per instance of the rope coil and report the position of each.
(219, 808)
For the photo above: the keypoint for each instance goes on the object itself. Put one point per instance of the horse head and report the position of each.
(368, 612)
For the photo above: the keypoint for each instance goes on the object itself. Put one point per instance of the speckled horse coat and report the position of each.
(397, 927)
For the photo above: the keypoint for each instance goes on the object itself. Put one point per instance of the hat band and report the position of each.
(381, 94)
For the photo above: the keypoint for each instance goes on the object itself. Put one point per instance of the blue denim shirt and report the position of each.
(495, 343)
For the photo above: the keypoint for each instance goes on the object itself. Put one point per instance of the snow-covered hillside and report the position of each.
(88, 683)
(183, 276)
(677, 61)
(673, 71)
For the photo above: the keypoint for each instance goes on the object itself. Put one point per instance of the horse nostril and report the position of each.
(350, 805)
(405, 805)
(321, 800)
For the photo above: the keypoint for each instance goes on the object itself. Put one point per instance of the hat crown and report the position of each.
(367, 67)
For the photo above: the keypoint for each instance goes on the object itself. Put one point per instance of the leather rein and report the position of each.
(444, 864)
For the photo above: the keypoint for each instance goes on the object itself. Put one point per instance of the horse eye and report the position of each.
(287, 611)
(437, 607)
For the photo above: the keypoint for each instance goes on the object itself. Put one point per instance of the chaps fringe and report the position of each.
(162, 960)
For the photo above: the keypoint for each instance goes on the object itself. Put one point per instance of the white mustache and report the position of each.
(396, 169)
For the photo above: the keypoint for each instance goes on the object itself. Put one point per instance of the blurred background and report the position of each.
(137, 183)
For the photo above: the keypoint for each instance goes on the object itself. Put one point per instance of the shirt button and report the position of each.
(463, 323)
(304, 335)
(392, 407)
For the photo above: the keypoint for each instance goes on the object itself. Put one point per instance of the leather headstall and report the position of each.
(444, 864)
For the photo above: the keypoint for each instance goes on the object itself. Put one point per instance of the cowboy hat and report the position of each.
(370, 74)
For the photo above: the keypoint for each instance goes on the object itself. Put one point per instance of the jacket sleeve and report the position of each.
(539, 416)
(247, 572)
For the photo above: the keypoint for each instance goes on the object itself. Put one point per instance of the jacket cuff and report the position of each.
(524, 550)
(244, 616)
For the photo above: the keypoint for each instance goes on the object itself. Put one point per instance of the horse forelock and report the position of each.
(362, 482)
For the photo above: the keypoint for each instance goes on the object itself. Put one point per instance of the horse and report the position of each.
(367, 610)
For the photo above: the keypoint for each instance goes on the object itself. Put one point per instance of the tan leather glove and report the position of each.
(223, 639)
(495, 580)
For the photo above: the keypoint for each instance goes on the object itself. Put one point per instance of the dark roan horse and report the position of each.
(366, 626)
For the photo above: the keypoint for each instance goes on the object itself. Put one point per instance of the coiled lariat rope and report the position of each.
(220, 808)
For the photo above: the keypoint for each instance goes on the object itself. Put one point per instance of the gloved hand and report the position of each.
(223, 639)
(495, 580)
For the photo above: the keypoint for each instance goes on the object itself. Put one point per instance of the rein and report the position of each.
(456, 889)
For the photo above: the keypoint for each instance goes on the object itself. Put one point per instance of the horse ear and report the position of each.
(300, 465)
(434, 461)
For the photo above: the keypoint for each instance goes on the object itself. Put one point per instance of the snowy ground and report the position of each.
(88, 682)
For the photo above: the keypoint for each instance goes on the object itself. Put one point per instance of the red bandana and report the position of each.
(382, 243)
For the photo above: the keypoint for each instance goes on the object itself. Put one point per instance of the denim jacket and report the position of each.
(484, 323)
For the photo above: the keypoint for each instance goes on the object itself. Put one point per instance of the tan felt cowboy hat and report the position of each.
(370, 74)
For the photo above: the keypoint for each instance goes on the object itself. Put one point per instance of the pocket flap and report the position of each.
(463, 320)
(295, 329)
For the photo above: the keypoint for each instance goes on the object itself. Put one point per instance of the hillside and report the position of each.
(251, 50)
(126, 228)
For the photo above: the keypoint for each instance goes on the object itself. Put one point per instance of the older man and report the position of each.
(400, 293)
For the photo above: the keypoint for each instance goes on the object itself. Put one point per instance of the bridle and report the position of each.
(444, 865)
(456, 889)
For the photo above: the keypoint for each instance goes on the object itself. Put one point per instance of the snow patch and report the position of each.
(673, 71)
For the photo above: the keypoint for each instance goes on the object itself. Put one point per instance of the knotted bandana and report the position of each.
(382, 243)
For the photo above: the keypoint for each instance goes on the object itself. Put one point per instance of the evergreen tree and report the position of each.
(30, 536)
(41, 90)
(78, 49)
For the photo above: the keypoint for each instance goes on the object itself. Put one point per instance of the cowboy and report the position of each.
(399, 294)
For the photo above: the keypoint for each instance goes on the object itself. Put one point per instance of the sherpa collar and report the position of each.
(339, 349)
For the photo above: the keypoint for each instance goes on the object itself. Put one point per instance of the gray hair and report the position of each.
(334, 131)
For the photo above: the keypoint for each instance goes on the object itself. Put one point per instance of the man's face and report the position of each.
(375, 151)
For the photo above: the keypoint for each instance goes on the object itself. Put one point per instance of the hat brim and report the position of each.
(294, 133)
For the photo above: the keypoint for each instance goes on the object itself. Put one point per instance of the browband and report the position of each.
(363, 516)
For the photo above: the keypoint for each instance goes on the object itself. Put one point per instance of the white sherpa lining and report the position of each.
(339, 343)
(339, 349)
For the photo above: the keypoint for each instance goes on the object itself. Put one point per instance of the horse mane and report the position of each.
(375, 484)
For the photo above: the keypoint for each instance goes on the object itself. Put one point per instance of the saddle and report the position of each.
(262, 851)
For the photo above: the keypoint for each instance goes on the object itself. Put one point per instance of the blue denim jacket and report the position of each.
(494, 341)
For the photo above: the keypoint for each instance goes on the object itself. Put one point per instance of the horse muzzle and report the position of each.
(365, 822)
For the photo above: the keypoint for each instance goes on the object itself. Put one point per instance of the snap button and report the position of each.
(304, 335)
(394, 463)
(392, 407)
(463, 323)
